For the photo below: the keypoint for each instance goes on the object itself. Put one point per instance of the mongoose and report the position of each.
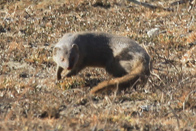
(121, 57)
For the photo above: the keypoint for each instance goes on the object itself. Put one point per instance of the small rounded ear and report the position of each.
(55, 50)
(75, 47)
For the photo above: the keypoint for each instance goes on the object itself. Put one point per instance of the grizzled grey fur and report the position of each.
(120, 56)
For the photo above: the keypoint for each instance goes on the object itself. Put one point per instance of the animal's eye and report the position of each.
(66, 52)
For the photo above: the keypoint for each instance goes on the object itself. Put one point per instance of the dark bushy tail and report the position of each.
(136, 72)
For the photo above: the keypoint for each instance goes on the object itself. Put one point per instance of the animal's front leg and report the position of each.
(72, 73)
(75, 71)
(58, 72)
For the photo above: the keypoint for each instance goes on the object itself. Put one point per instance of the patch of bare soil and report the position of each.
(32, 99)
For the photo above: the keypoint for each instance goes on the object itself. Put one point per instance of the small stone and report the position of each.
(153, 32)
(23, 75)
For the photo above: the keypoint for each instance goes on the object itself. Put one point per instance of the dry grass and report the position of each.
(31, 99)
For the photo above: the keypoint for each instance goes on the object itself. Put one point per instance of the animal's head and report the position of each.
(66, 56)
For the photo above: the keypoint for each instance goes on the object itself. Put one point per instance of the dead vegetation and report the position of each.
(31, 99)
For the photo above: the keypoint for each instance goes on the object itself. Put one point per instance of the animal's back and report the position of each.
(98, 48)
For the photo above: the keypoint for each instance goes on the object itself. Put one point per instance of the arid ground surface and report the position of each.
(32, 99)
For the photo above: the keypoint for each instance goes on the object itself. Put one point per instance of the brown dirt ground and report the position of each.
(31, 99)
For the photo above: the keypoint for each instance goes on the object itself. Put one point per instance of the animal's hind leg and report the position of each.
(115, 69)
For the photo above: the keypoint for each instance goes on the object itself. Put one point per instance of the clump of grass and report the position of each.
(70, 83)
